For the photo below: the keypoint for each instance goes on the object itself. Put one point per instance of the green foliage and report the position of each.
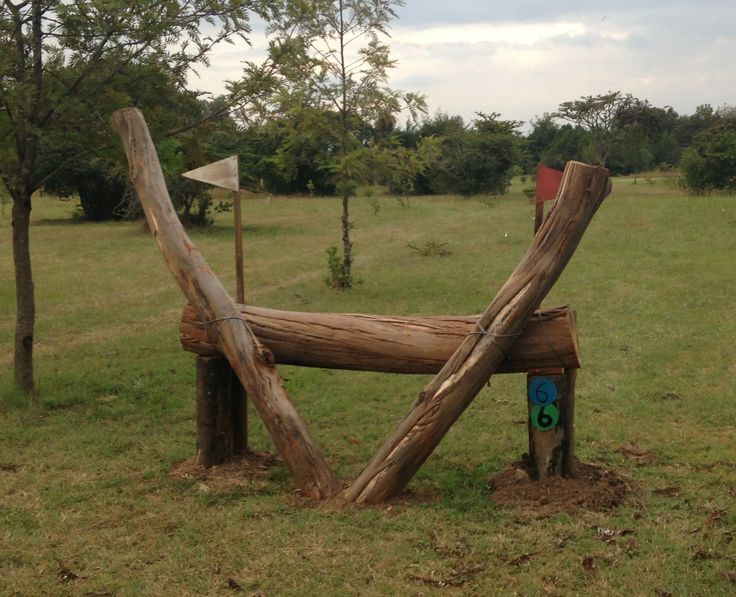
(472, 160)
(596, 114)
(710, 162)
(627, 134)
(111, 55)
(553, 144)
(430, 248)
(338, 277)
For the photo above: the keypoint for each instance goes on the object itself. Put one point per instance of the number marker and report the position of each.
(545, 418)
(542, 391)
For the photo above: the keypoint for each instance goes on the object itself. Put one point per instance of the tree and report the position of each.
(56, 61)
(94, 169)
(328, 55)
(596, 114)
(475, 159)
(554, 144)
(710, 162)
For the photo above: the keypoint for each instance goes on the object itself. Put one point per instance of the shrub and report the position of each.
(710, 162)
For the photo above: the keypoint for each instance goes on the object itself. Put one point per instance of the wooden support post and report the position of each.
(239, 402)
(221, 419)
(551, 405)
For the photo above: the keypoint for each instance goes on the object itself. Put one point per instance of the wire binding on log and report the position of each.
(220, 320)
(488, 334)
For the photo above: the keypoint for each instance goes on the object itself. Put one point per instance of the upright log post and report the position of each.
(221, 419)
(582, 191)
(250, 360)
(551, 408)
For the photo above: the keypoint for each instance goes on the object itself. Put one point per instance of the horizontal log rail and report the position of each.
(389, 344)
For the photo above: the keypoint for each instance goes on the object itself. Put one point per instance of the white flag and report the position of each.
(219, 174)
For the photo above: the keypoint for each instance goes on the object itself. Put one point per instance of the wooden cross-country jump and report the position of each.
(510, 335)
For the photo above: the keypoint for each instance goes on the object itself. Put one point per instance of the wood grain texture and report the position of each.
(407, 447)
(251, 361)
(390, 344)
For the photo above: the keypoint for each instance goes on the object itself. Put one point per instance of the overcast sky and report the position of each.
(522, 58)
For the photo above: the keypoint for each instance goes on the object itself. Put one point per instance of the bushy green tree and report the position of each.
(56, 61)
(189, 132)
(475, 159)
(596, 114)
(710, 162)
(553, 144)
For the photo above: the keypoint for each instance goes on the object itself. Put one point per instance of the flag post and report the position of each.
(225, 174)
(240, 284)
(222, 413)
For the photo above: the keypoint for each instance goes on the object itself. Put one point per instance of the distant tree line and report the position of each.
(294, 150)
(630, 135)
(294, 153)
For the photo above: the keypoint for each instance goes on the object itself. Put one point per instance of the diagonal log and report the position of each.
(390, 344)
(581, 192)
(252, 363)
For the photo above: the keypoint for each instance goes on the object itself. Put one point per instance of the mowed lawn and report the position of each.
(88, 505)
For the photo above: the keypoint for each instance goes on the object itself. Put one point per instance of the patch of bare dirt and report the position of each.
(591, 488)
(636, 454)
(242, 471)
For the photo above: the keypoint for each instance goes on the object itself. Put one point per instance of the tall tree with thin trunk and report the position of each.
(56, 61)
(330, 54)
(597, 115)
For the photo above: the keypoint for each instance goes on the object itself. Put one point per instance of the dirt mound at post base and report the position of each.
(591, 488)
(242, 471)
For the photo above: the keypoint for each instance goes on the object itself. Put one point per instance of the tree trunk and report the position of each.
(222, 427)
(24, 293)
(390, 344)
(347, 246)
(582, 190)
(250, 360)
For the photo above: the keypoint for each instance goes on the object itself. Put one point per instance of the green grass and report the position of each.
(85, 489)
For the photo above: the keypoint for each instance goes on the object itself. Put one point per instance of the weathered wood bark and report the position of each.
(252, 363)
(552, 452)
(221, 424)
(582, 191)
(538, 215)
(390, 344)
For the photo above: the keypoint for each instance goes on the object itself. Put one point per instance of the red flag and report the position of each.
(548, 181)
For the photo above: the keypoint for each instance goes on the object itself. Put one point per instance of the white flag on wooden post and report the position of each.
(223, 173)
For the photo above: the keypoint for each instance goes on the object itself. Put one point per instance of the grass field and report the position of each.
(88, 505)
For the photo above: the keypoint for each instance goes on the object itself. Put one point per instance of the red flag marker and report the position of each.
(548, 181)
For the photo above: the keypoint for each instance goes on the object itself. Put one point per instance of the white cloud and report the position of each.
(523, 34)
(501, 58)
